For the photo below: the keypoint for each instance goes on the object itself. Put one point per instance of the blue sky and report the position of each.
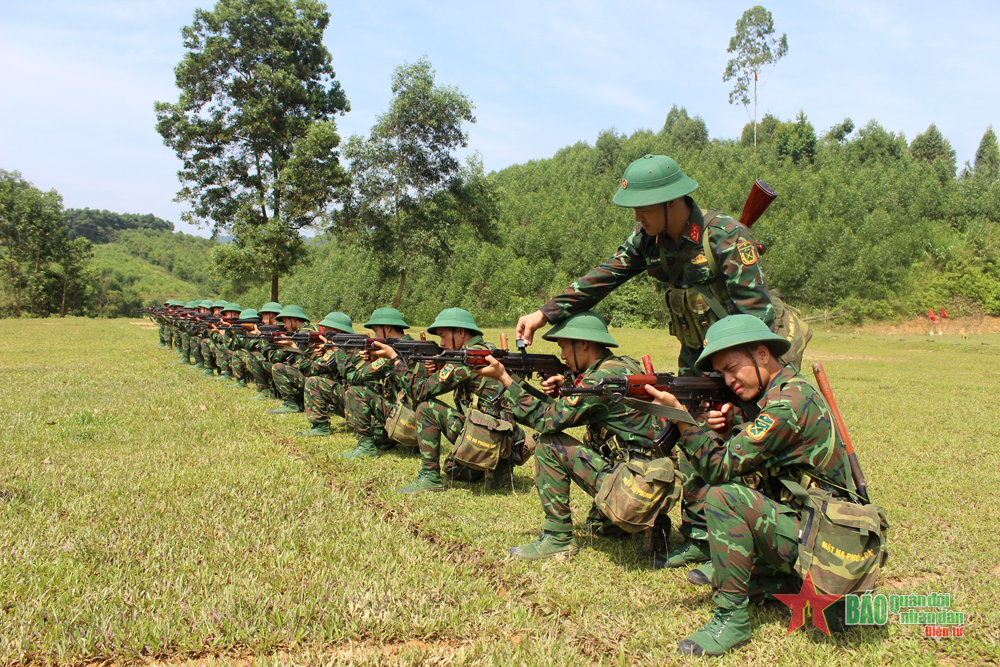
(79, 79)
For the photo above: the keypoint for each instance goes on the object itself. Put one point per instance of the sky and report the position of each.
(80, 79)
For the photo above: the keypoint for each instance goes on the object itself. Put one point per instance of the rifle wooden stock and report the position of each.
(760, 198)
(852, 458)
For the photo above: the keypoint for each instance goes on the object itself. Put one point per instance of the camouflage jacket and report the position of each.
(792, 435)
(379, 372)
(605, 420)
(457, 378)
(303, 362)
(732, 246)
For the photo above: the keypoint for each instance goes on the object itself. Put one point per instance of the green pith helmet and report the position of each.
(587, 325)
(191, 304)
(738, 330)
(454, 318)
(339, 321)
(293, 311)
(232, 308)
(388, 317)
(221, 303)
(175, 302)
(205, 303)
(270, 307)
(249, 314)
(653, 179)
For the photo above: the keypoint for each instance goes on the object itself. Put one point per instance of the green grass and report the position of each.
(136, 526)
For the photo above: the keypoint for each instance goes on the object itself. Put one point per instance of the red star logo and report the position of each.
(809, 599)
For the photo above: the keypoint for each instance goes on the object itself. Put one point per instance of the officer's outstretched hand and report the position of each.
(495, 370)
(550, 385)
(383, 351)
(529, 324)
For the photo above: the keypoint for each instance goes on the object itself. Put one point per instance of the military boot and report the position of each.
(287, 407)
(702, 575)
(208, 371)
(365, 449)
(728, 629)
(199, 366)
(264, 395)
(427, 480)
(317, 431)
(549, 544)
(161, 345)
(224, 375)
(687, 553)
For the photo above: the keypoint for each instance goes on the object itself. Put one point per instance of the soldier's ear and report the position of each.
(763, 353)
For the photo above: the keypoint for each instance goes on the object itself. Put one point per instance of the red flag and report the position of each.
(755, 76)
(930, 314)
(944, 315)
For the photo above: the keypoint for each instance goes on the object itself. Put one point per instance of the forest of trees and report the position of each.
(866, 223)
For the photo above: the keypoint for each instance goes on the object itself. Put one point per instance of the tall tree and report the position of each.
(987, 162)
(688, 132)
(756, 48)
(74, 261)
(933, 147)
(407, 159)
(254, 129)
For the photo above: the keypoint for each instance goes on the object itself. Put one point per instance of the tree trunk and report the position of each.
(62, 306)
(399, 292)
(274, 287)
(755, 111)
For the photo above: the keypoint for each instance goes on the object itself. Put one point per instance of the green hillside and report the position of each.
(122, 282)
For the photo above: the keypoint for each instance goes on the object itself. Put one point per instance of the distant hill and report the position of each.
(122, 282)
(100, 226)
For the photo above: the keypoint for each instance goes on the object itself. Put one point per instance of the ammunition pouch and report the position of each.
(636, 491)
(690, 316)
(401, 424)
(484, 440)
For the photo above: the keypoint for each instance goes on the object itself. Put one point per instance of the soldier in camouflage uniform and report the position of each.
(371, 387)
(196, 335)
(223, 342)
(753, 522)
(457, 330)
(292, 363)
(615, 433)
(185, 334)
(258, 357)
(239, 367)
(708, 265)
(210, 342)
(324, 390)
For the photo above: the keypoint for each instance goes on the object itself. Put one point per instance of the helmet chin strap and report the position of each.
(576, 364)
(760, 382)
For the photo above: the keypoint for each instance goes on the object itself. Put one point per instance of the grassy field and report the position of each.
(148, 514)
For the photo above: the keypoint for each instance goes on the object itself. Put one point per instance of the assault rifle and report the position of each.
(404, 348)
(760, 197)
(690, 391)
(519, 363)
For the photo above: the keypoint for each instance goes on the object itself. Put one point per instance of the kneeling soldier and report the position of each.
(324, 391)
(615, 433)
(289, 369)
(753, 521)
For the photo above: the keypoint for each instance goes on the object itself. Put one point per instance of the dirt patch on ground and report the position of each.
(974, 324)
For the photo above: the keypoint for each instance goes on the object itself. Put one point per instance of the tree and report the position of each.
(254, 129)
(932, 147)
(74, 259)
(406, 160)
(838, 133)
(987, 161)
(688, 132)
(755, 47)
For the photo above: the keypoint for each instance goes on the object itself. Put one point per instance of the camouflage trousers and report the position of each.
(695, 490)
(323, 396)
(164, 334)
(367, 411)
(260, 369)
(185, 348)
(209, 353)
(290, 382)
(435, 418)
(196, 356)
(754, 544)
(560, 459)
(239, 365)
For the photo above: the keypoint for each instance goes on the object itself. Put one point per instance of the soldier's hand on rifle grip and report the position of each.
(527, 325)
(721, 420)
(551, 384)
(383, 351)
(494, 370)
(365, 354)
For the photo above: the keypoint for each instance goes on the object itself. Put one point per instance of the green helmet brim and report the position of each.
(652, 179)
(386, 317)
(731, 333)
(454, 318)
(587, 325)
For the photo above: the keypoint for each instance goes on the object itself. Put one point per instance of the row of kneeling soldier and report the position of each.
(745, 441)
